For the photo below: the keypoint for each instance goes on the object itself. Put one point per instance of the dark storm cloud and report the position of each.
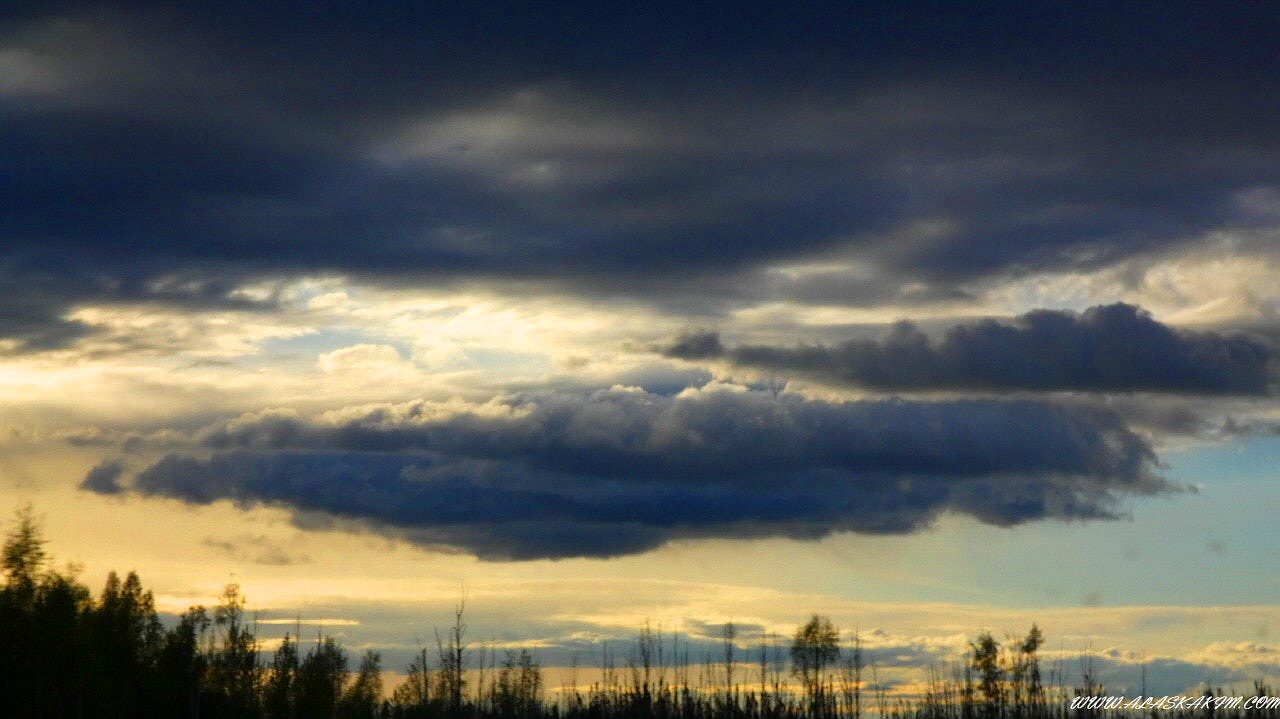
(695, 346)
(703, 434)
(1113, 348)
(621, 471)
(613, 150)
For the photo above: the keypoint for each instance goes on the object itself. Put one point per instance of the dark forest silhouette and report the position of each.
(64, 653)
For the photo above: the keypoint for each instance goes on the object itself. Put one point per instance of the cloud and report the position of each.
(258, 549)
(104, 479)
(1112, 348)
(695, 346)
(510, 158)
(32, 320)
(363, 357)
(622, 470)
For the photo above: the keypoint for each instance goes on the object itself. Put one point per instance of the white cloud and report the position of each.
(147, 331)
(1217, 281)
(361, 358)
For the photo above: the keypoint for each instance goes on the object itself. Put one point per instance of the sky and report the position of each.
(931, 318)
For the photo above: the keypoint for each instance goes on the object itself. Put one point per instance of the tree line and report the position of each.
(66, 653)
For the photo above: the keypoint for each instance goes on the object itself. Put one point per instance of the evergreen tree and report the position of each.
(321, 678)
(181, 667)
(986, 662)
(279, 691)
(126, 636)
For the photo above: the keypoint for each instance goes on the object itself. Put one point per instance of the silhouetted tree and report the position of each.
(23, 555)
(363, 699)
(986, 662)
(125, 636)
(517, 692)
(181, 666)
(851, 680)
(41, 633)
(1027, 689)
(728, 634)
(233, 665)
(64, 655)
(816, 646)
(412, 698)
(321, 678)
(279, 689)
(452, 673)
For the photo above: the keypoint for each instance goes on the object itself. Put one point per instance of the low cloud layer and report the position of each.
(1113, 348)
(621, 471)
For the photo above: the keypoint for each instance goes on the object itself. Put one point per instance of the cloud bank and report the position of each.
(1113, 348)
(622, 470)
(684, 151)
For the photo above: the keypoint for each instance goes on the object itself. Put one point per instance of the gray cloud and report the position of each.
(257, 549)
(671, 156)
(104, 479)
(695, 346)
(621, 471)
(1113, 348)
